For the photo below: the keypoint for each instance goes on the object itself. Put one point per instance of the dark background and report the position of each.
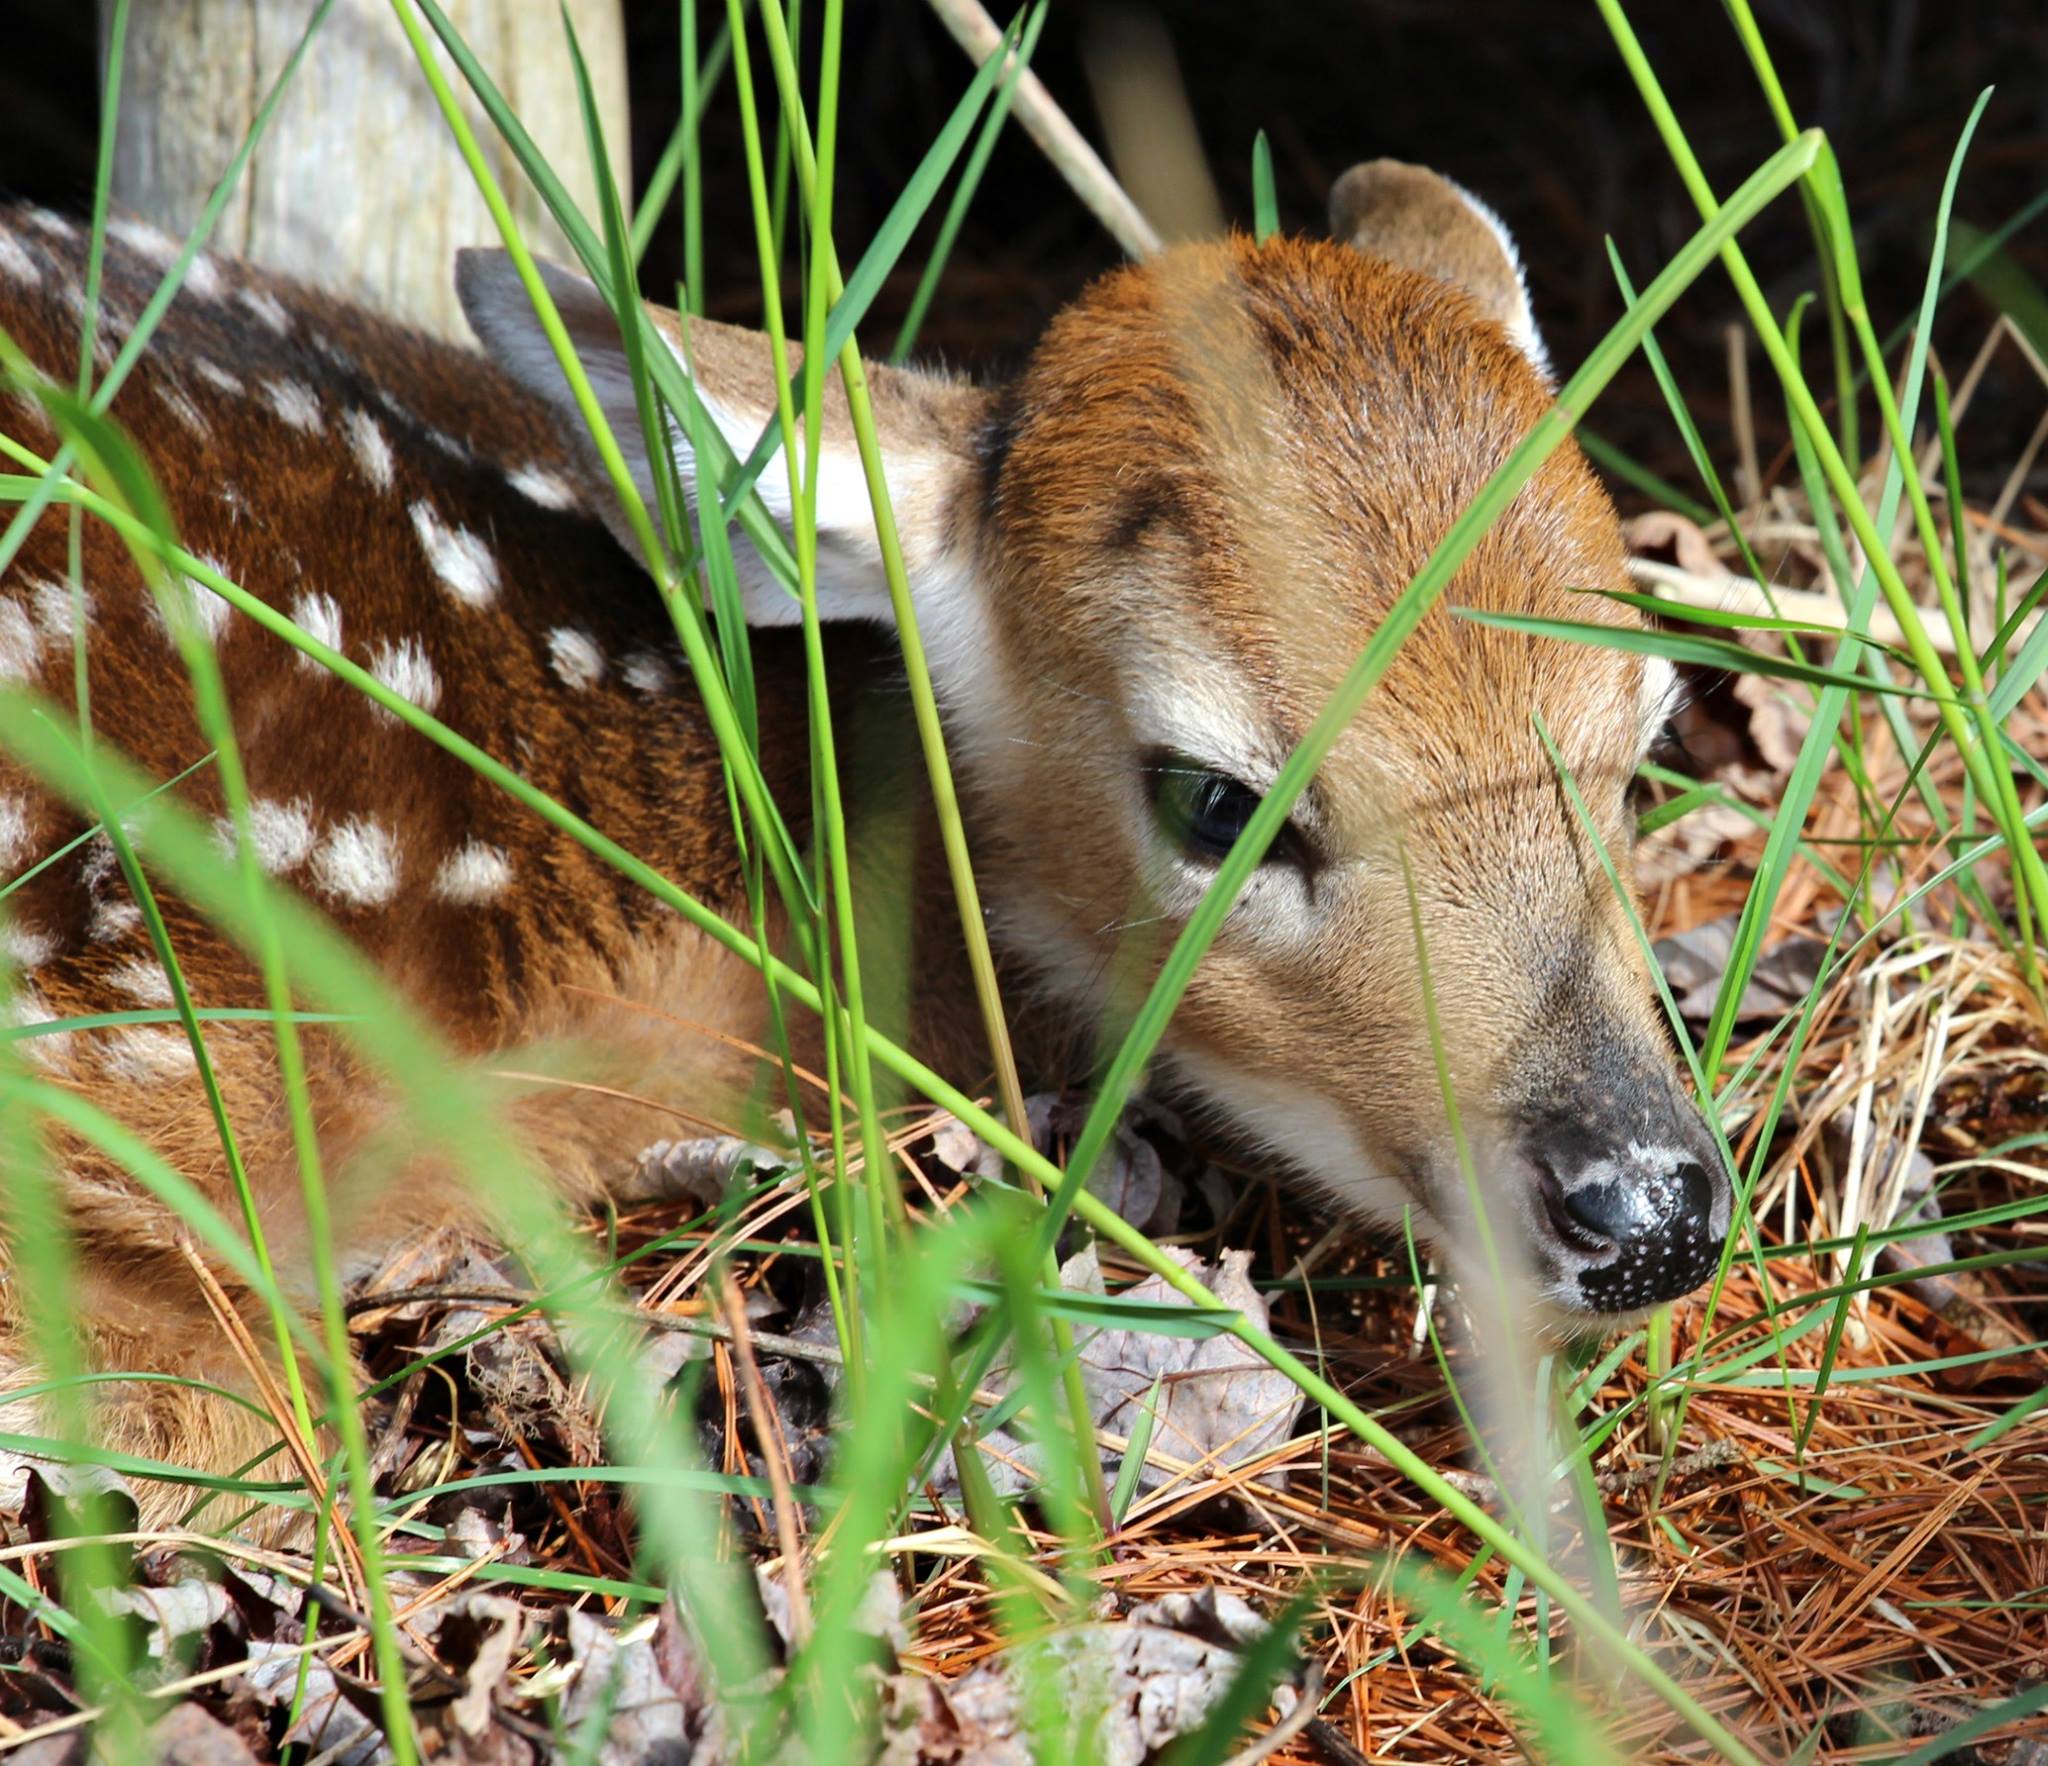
(1525, 101)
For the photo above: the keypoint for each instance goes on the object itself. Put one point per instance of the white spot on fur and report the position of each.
(25, 949)
(143, 981)
(212, 611)
(280, 830)
(209, 612)
(21, 646)
(142, 1054)
(451, 445)
(266, 307)
(16, 263)
(373, 453)
(406, 669)
(646, 672)
(329, 351)
(575, 658)
(52, 223)
(549, 489)
(109, 324)
(319, 617)
(114, 915)
(99, 864)
(358, 863)
(180, 406)
(204, 279)
(219, 378)
(24, 1011)
(473, 874)
(463, 562)
(295, 403)
(57, 610)
(14, 832)
(202, 275)
(143, 238)
(112, 921)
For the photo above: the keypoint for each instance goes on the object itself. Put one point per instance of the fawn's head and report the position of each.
(1140, 569)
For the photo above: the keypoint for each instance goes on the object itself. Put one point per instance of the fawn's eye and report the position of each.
(1204, 812)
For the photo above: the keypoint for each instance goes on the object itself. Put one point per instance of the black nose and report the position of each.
(1651, 1234)
(1620, 1212)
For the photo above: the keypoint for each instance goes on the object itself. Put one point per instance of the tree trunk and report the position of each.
(357, 184)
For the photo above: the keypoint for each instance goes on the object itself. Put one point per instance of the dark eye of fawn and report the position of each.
(1206, 812)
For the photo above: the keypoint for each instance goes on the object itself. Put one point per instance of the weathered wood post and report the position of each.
(357, 185)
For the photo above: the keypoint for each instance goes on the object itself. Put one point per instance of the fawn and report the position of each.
(1139, 567)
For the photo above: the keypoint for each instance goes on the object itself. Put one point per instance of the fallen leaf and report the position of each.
(478, 1637)
(620, 1668)
(1218, 1402)
(330, 1727)
(1664, 530)
(189, 1736)
(1695, 961)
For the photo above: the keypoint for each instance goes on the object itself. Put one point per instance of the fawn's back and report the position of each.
(413, 509)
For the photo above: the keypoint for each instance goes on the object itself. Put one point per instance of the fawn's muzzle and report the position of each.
(1631, 1200)
(1632, 1231)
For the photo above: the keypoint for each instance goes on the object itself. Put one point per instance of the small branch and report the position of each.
(768, 1437)
(1082, 167)
(1742, 594)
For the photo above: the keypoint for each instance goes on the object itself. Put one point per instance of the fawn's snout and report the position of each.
(1630, 1200)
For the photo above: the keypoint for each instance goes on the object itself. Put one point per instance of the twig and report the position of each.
(768, 1436)
(1092, 181)
(236, 1329)
(1742, 594)
(1718, 1453)
(1711, 1458)
(1304, 1713)
(1749, 481)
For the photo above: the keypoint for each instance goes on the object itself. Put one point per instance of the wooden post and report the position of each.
(357, 185)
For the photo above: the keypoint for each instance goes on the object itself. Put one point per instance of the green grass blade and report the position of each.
(661, 182)
(1718, 653)
(963, 194)
(1130, 1473)
(1265, 200)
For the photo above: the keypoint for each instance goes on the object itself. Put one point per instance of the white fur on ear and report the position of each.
(851, 580)
(1520, 323)
(736, 390)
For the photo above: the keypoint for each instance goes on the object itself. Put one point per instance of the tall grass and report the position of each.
(910, 1390)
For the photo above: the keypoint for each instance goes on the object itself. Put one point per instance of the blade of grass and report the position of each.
(1265, 200)
(661, 182)
(1974, 734)
(963, 194)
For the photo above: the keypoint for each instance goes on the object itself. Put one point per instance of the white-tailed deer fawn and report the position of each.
(1139, 568)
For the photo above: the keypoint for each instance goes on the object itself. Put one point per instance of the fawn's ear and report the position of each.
(926, 425)
(1423, 221)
